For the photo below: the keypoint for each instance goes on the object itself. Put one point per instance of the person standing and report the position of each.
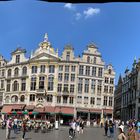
(106, 127)
(111, 128)
(15, 125)
(131, 133)
(121, 135)
(8, 128)
(24, 129)
(82, 126)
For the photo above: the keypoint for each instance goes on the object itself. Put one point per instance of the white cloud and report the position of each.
(91, 11)
(78, 16)
(69, 6)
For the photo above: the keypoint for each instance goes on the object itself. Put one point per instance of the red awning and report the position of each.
(82, 110)
(39, 109)
(95, 111)
(108, 111)
(6, 109)
(30, 107)
(18, 106)
(64, 110)
(50, 109)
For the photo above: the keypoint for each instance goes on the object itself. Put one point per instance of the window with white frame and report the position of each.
(79, 99)
(80, 85)
(105, 101)
(60, 76)
(100, 72)
(8, 85)
(73, 68)
(42, 68)
(51, 83)
(93, 71)
(87, 71)
(98, 101)
(86, 85)
(17, 59)
(81, 70)
(33, 83)
(58, 99)
(66, 77)
(72, 77)
(34, 69)
(85, 100)
(92, 100)
(110, 101)
(93, 86)
(66, 68)
(71, 88)
(59, 88)
(23, 84)
(24, 70)
(71, 100)
(41, 82)
(51, 69)
(60, 67)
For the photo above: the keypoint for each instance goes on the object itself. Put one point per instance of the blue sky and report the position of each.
(113, 27)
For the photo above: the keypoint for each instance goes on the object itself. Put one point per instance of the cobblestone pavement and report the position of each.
(61, 134)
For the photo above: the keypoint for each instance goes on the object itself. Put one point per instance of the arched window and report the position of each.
(16, 72)
(24, 70)
(14, 99)
(88, 59)
(109, 71)
(22, 98)
(94, 60)
(7, 99)
(15, 86)
(9, 73)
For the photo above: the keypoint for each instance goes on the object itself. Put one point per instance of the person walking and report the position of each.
(82, 126)
(106, 127)
(131, 133)
(24, 129)
(111, 129)
(121, 135)
(8, 128)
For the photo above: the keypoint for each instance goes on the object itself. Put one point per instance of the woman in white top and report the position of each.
(121, 135)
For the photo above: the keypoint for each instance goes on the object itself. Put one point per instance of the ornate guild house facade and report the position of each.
(79, 86)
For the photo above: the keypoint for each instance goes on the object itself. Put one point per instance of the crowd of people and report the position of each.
(126, 131)
(24, 125)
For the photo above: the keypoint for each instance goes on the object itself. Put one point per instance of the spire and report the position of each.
(135, 62)
(46, 37)
(120, 79)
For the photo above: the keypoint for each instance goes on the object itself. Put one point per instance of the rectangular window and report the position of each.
(59, 88)
(80, 85)
(79, 99)
(32, 97)
(71, 88)
(23, 84)
(49, 98)
(68, 56)
(111, 90)
(73, 68)
(65, 88)
(50, 83)
(41, 82)
(66, 68)
(86, 85)
(3, 73)
(87, 71)
(17, 58)
(71, 100)
(111, 80)
(100, 72)
(2, 84)
(106, 89)
(8, 85)
(72, 77)
(58, 99)
(65, 99)
(42, 68)
(99, 86)
(61, 68)
(66, 77)
(85, 100)
(110, 101)
(93, 71)
(51, 69)
(106, 80)
(92, 100)
(81, 70)
(105, 101)
(33, 83)
(60, 77)
(34, 69)
(93, 86)
(98, 101)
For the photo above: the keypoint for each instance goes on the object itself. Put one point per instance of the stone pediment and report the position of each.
(44, 56)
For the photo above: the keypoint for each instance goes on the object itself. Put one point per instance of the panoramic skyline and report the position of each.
(113, 27)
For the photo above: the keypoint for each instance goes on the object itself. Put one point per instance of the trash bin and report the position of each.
(56, 124)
